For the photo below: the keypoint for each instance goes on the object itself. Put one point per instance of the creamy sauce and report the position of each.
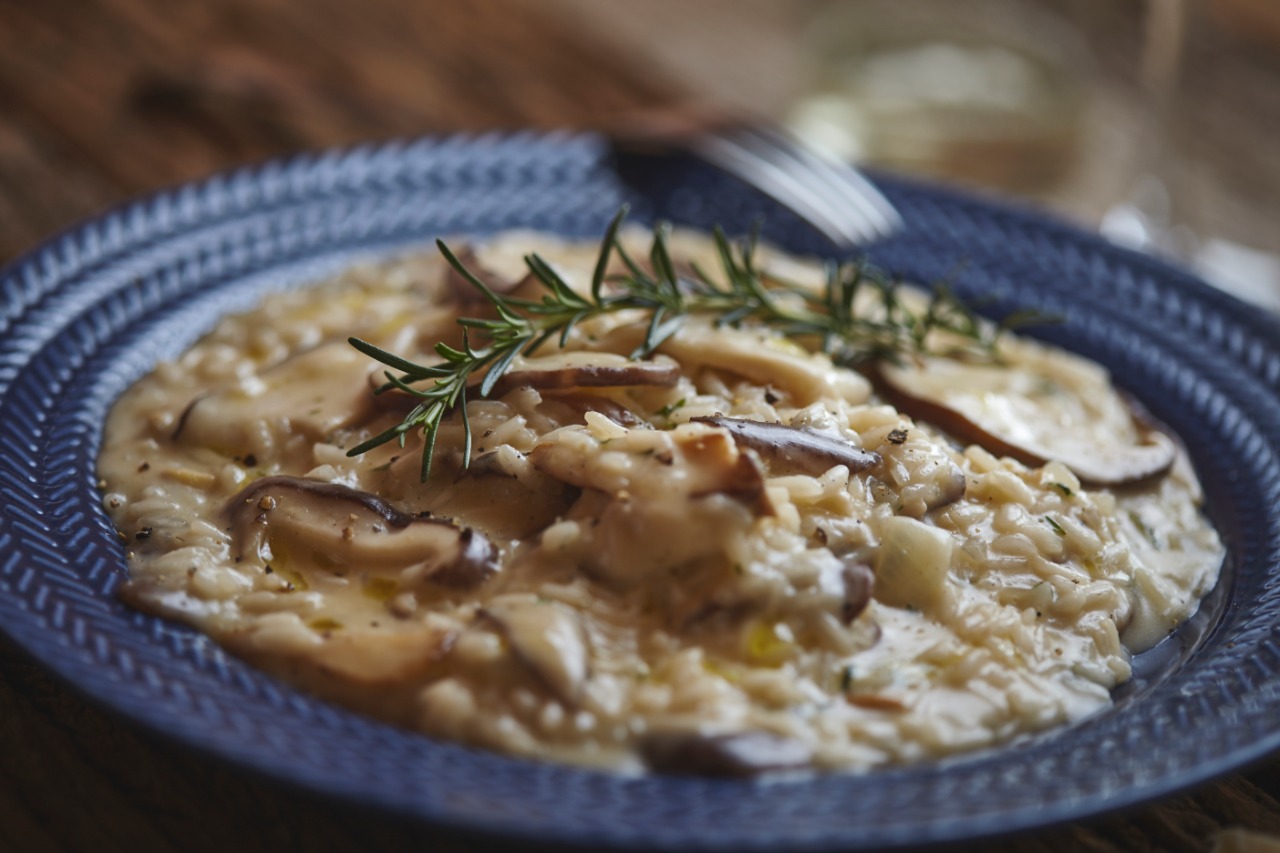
(621, 577)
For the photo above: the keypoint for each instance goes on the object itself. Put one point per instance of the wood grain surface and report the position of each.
(104, 100)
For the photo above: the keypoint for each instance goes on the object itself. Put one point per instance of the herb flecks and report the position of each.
(858, 316)
(1062, 488)
(671, 408)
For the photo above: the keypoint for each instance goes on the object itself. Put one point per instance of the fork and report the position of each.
(828, 193)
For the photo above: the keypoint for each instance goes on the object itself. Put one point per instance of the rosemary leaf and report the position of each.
(832, 318)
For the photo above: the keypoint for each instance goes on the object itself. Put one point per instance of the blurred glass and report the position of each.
(1205, 187)
(1153, 120)
(981, 91)
(1143, 216)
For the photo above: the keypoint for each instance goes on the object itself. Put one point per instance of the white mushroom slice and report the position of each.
(1043, 405)
(306, 523)
(794, 448)
(312, 394)
(547, 637)
(578, 369)
(766, 359)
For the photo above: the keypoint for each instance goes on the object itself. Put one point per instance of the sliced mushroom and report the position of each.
(1045, 405)
(794, 448)
(732, 754)
(312, 394)
(765, 359)
(464, 292)
(743, 482)
(560, 372)
(547, 637)
(368, 656)
(859, 580)
(718, 468)
(654, 500)
(504, 495)
(581, 369)
(333, 526)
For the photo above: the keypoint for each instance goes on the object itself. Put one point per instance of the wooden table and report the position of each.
(103, 100)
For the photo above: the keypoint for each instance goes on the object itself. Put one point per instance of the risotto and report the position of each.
(729, 557)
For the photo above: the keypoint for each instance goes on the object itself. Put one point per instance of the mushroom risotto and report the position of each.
(678, 535)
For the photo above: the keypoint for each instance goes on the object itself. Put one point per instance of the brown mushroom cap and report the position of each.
(796, 448)
(560, 372)
(464, 292)
(581, 369)
(335, 526)
(1118, 444)
(732, 754)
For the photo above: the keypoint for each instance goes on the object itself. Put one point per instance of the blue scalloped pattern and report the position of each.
(94, 309)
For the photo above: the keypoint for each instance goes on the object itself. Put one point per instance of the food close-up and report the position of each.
(671, 502)
(732, 426)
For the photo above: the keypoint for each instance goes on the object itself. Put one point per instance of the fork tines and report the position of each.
(830, 194)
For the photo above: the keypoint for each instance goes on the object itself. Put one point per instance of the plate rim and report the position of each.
(340, 159)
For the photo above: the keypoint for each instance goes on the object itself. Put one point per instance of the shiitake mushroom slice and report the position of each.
(1052, 406)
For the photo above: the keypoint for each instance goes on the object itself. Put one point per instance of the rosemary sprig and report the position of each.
(833, 320)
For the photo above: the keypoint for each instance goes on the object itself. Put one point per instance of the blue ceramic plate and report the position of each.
(87, 314)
